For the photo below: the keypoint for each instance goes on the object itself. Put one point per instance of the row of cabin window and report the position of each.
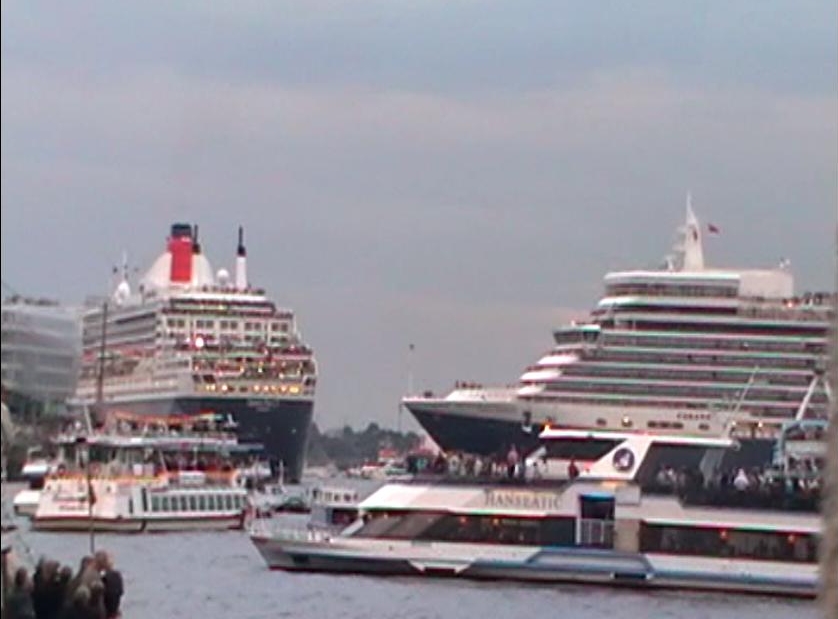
(732, 543)
(435, 526)
(696, 541)
(230, 325)
(783, 342)
(200, 502)
(656, 356)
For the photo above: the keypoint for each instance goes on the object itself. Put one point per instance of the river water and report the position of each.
(220, 575)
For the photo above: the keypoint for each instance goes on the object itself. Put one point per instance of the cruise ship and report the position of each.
(190, 341)
(684, 348)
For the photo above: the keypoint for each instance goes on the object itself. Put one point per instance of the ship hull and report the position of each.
(280, 426)
(489, 434)
(486, 435)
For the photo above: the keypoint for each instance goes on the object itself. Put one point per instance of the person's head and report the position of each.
(49, 570)
(21, 578)
(65, 573)
(85, 562)
(102, 560)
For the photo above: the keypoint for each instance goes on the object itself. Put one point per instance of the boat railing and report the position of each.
(779, 495)
(171, 478)
(291, 534)
(596, 533)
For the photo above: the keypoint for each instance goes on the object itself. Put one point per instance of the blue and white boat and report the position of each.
(628, 518)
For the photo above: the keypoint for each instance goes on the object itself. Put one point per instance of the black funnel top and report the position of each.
(240, 251)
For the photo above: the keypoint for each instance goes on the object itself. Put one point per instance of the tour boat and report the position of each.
(628, 517)
(143, 482)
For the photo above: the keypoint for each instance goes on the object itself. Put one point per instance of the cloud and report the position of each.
(438, 172)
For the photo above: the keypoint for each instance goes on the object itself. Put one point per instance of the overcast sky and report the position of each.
(454, 174)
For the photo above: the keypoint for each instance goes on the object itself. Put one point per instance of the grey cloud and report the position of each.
(448, 194)
(435, 46)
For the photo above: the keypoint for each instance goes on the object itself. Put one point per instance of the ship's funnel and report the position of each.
(241, 262)
(180, 247)
(196, 246)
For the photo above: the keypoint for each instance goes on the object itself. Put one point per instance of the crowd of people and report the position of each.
(54, 592)
(510, 465)
(763, 487)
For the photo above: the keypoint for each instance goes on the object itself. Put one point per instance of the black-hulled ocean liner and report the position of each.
(189, 340)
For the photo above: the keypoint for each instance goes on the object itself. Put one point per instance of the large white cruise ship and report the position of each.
(685, 348)
(189, 341)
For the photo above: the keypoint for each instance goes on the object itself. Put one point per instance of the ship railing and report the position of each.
(289, 534)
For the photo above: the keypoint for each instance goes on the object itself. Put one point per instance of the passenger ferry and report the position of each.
(629, 518)
(165, 481)
(670, 347)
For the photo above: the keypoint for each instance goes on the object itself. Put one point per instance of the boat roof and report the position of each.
(156, 442)
(662, 439)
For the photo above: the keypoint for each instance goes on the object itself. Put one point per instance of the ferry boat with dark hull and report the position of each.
(187, 340)
(675, 347)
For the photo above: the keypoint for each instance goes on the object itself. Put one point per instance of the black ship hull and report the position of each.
(280, 426)
(485, 436)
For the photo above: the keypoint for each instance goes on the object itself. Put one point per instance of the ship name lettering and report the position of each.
(542, 501)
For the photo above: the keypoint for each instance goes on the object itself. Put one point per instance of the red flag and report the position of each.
(713, 229)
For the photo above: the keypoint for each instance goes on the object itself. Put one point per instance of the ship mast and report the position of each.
(100, 372)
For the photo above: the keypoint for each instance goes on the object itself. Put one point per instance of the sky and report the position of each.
(453, 174)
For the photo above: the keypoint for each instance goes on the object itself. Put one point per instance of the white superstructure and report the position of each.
(186, 331)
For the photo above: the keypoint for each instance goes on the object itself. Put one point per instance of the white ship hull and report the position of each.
(538, 565)
(136, 505)
(80, 522)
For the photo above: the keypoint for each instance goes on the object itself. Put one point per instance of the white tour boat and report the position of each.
(151, 482)
(630, 517)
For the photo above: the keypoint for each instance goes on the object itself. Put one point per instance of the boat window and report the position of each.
(183, 506)
(738, 543)
(193, 503)
(435, 526)
(144, 495)
(228, 501)
(202, 503)
(155, 503)
(211, 503)
(165, 503)
(377, 524)
(581, 449)
(175, 504)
